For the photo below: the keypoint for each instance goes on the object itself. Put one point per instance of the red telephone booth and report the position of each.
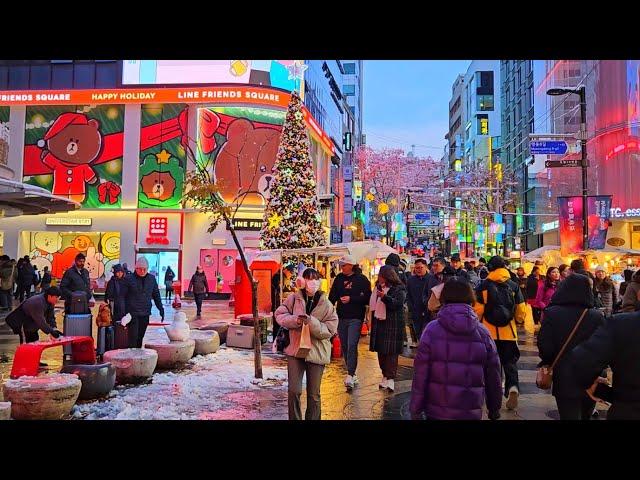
(263, 271)
(241, 291)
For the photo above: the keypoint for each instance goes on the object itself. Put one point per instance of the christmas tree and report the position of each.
(292, 218)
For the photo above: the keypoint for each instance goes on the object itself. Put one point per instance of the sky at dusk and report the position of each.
(407, 102)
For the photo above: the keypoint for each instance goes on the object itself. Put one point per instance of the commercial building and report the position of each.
(133, 139)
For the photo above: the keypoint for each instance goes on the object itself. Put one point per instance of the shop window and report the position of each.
(349, 68)
(484, 103)
(349, 89)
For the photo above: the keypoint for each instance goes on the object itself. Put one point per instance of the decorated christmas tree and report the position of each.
(292, 218)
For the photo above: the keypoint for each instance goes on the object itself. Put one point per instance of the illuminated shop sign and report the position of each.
(68, 221)
(550, 226)
(617, 212)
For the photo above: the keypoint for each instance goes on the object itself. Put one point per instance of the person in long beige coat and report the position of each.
(311, 307)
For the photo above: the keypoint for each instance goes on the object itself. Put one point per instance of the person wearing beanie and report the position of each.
(142, 287)
(116, 293)
(76, 279)
(456, 264)
(499, 305)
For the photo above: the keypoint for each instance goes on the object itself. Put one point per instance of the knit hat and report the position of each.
(62, 122)
(142, 263)
(117, 268)
(495, 263)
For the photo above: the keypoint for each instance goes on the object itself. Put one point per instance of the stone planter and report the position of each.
(220, 327)
(97, 380)
(48, 397)
(206, 342)
(5, 410)
(133, 365)
(172, 354)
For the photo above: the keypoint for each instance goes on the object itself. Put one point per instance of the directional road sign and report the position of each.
(548, 147)
(562, 163)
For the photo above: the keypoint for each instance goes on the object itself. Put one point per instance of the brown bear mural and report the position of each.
(158, 185)
(246, 160)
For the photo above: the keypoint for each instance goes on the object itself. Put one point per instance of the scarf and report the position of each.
(377, 306)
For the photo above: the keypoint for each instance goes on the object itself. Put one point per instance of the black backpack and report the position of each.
(501, 305)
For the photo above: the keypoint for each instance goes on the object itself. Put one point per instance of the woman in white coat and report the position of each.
(308, 306)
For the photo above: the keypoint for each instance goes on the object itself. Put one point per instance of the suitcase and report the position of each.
(240, 336)
(121, 336)
(76, 325)
(105, 340)
(79, 303)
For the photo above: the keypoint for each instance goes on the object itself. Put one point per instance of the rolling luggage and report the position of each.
(79, 303)
(76, 325)
(105, 340)
(121, 336)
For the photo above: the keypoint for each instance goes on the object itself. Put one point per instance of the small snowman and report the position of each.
(179, 330)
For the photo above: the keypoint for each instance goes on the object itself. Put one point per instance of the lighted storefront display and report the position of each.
(4, 135)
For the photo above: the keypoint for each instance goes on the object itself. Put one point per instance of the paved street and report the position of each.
(366, 402)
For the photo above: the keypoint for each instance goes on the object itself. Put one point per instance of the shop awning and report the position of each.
(22, 199)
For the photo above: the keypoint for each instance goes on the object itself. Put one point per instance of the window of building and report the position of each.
(84, 75)
(62, 76)
(106, 75)
(19, 77)
(484, 103)
(484, 82)
(482, 124)
(349, 68)
(40, 77)
(349, 89)
(4, 78)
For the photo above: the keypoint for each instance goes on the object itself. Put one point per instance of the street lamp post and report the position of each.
(583, 147)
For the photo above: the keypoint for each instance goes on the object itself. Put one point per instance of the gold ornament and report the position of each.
(274, 220)
(383, 208)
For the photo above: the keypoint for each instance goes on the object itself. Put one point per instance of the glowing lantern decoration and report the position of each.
(383, 208)
(369, 197)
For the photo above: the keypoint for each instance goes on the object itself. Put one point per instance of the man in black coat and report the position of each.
(36, 313)
(116, 293)
(26, 276)
(350, 292)
(616, 345)
(456, 264)
(141, 289)
(76, 279)
(416, 286)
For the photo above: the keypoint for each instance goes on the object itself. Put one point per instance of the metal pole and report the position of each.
(583, 145)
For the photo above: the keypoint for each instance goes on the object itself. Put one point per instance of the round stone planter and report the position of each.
(206, 342)
(172, 354)
(47, 397)
(133, 365)
(5, 410)
(97, 380)
(220, 327)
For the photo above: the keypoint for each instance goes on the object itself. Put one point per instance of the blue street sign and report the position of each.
(420, 217)
(548, 147)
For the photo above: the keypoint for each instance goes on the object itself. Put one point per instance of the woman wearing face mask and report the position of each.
(387, 323)
(311, 307)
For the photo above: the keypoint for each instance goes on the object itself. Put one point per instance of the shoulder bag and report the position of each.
(544, 378)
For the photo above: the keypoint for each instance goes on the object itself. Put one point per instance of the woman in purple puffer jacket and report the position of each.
(457, 367)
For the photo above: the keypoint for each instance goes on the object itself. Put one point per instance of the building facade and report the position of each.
(135, 141)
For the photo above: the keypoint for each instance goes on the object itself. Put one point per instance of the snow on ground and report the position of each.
(217, 386)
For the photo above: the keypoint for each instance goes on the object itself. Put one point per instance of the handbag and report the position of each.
(282, 339)
(305, 342)
(544, 378)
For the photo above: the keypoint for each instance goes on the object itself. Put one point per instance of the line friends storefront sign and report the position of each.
(230, 94)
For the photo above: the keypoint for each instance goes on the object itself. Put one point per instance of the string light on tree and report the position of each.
(292, 213)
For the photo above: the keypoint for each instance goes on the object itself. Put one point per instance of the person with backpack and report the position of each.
(500, 304)
(572, 302)
(34, 314)
(456, 368)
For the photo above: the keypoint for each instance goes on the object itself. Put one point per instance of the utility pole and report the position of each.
(584, 164)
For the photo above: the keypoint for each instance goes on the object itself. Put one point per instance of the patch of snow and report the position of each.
(220, 385)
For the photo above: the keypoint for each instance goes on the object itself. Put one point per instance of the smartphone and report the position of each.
(604, 392)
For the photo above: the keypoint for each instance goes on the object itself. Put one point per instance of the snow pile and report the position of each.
(215, 386)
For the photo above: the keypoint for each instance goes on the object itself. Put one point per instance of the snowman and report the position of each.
(179, 330)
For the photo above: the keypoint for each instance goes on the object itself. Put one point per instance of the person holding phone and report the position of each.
(308, 306)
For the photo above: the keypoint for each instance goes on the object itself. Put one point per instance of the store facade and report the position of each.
(123, 154)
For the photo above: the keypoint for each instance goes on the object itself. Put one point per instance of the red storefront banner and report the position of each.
(570, 224)
(598, 211)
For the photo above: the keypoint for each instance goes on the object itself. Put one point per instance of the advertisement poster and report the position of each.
(240, 145)
(4, 135)
(162, 155)
(598, 211)
(570, 224)
(76, 152)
